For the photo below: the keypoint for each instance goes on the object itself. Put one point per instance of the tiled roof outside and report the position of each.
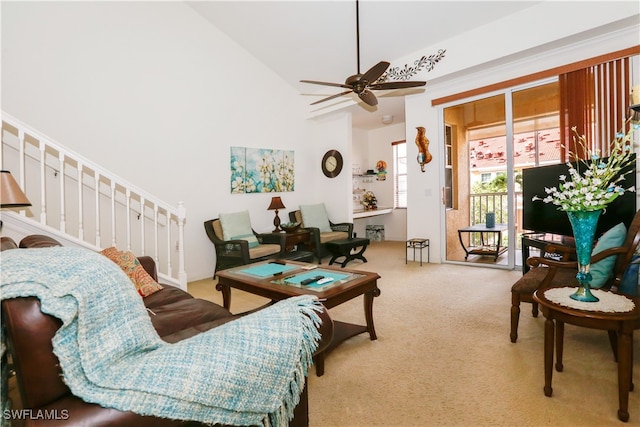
(489, 154)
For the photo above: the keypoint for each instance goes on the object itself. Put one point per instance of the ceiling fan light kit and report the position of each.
(375, 78)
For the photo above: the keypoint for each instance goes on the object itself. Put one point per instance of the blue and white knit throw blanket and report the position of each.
(247, 372)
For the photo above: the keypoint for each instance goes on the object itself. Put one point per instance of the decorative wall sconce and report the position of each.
(382, 170)
(276, 203)
(422, 142)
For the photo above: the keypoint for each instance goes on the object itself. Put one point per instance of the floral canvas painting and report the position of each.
(261, 170)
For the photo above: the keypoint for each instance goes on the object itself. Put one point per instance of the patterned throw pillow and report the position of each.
(129, 263)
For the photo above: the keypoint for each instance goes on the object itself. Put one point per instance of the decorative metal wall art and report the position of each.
(422, 142)
(260, 170)
(427, 62)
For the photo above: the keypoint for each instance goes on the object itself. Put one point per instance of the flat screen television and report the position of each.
(543, 217)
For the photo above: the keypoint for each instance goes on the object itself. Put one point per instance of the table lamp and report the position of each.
(276, 203)
(11, 195)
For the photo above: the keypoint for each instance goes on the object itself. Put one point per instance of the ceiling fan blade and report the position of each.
(326, 83)
(375, 72)
(368, 97)
(395, 85)
(331, 97)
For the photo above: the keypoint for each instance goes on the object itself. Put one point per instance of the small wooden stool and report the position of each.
(343, 248)
(417, 244)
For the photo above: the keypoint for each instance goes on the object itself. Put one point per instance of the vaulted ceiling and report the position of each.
(316, 40)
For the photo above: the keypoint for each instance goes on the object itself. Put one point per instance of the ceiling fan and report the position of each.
(363, 84)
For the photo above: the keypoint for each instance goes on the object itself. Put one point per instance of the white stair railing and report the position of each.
(82, 203)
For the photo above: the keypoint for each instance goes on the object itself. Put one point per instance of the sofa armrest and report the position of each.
(71, 411)
(7, 243)
(149, 265)
(38, 241)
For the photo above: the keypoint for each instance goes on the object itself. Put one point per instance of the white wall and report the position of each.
(152, 92)
(157, 95)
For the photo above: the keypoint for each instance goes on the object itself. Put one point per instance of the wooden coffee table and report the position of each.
(267, 280)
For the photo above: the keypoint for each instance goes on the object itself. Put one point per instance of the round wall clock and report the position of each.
(332, 163)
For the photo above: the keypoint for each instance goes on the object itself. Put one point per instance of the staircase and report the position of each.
(80, 204)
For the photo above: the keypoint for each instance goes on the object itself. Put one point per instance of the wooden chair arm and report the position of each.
(347, 227)
(314, 235)
(564, 251)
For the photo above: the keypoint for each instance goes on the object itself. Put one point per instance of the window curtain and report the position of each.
(596, 101)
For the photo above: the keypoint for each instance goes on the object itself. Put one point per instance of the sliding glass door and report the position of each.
(488, 141)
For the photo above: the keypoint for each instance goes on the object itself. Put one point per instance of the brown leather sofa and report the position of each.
(174, 313)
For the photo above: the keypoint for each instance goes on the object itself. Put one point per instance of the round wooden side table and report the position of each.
(620, 324)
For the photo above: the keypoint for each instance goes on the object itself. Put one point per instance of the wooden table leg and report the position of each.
(559, 345)
(548, 356)
(624, 373)
(226, 295)
(464, 248)
(631, 386)
(368, 312)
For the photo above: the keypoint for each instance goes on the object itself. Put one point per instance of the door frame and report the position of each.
(512, 262)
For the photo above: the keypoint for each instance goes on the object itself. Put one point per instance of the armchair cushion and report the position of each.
(602, 270)
(315, 216)
(333, 235)
(263, 250)
(237, 226)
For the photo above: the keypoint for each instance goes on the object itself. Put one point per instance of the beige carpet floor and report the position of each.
(443, 355)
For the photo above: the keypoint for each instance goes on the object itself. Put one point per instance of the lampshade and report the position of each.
(11, 196)
(276, 203)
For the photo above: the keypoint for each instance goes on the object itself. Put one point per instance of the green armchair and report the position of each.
(338, 231)
(231, 253)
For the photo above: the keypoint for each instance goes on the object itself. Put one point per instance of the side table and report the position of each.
(486, 248)
(620, 324)
(417, 244)
(296, 238)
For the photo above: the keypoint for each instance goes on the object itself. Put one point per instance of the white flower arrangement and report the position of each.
(600, 183)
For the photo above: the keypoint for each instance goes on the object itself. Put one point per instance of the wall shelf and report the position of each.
(361, 213)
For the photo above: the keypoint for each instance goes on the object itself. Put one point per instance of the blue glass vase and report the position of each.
(584, 225)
